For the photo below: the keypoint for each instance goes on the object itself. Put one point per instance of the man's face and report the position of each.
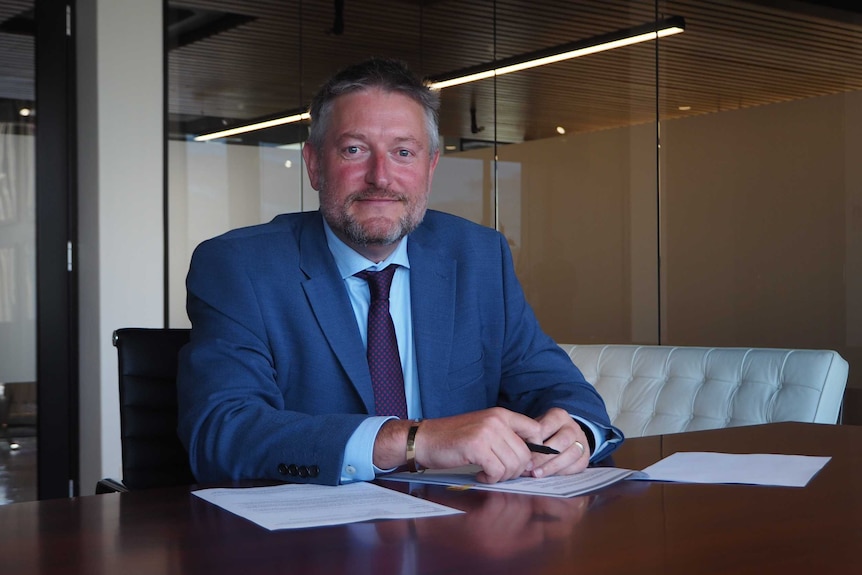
(374, 171)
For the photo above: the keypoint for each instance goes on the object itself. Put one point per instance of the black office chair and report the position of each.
(153, 455)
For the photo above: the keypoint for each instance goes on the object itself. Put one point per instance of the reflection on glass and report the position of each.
(17, 254)
(753, 203)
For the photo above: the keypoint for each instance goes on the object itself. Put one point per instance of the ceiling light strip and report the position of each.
(610, 41)
(253, 127)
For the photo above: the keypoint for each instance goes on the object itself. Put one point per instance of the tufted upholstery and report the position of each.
(651, 390)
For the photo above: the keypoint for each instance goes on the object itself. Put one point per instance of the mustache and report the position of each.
(375, 194)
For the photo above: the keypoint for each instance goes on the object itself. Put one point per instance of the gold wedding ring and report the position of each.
(581, 447)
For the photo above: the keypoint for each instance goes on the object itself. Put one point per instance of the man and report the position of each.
(276, 383)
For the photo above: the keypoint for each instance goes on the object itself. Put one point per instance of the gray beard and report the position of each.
(353, 230)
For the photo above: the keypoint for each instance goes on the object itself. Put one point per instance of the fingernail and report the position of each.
(538, 472)
(529, 466)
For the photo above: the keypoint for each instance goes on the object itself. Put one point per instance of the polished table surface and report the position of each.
(630, 527)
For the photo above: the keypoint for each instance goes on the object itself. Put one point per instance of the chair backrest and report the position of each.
(153, 455)
(652, 390)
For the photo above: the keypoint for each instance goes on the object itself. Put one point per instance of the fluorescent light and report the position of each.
(618, 39)
(252, 127)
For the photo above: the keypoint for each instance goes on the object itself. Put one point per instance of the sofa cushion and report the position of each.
(651, 390)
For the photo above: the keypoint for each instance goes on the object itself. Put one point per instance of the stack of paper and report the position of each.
(557, 486)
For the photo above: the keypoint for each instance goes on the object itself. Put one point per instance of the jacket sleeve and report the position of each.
(232, 414)
(536, 374)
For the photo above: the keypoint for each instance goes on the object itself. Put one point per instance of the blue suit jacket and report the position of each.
(276, 375)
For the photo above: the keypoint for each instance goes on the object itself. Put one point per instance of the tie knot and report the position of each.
(379, 282)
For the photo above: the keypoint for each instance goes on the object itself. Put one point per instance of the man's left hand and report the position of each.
(565, 435)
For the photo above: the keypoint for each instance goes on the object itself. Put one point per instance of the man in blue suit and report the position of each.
(275, 382)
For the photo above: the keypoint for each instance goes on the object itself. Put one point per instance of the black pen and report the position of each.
(536, 448)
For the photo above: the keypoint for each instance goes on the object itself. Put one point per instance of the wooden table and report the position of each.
(631, 527)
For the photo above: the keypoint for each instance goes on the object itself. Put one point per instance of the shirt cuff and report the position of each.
(359, 452)
(604, 438)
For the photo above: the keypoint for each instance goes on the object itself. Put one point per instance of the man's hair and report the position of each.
(386, 74)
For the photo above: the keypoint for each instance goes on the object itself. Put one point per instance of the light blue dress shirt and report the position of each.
(358, 453)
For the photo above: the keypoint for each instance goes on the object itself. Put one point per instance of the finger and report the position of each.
(510, 458)
(552, 421)
(569, 462)
(526, 428)
(573, 458)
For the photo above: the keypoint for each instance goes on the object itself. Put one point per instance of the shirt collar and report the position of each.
(349, 261)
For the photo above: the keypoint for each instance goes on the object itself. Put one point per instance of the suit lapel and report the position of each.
(432, 296)
(330, 304)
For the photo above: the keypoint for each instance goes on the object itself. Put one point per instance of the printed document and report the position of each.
(296, 506)
(589, 480)
(754, 469)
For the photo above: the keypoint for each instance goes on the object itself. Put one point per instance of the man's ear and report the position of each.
(434, 161)
(312, 164)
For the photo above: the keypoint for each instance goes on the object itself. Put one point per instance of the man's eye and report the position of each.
(404, 153)
(352, 149)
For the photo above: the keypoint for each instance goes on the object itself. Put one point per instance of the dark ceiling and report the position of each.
(233, 61)
(733, 54)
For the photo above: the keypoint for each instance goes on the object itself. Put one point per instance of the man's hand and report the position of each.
(493, 439)
(563, 433)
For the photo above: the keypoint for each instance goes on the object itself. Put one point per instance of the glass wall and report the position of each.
(742, 228)
(544, 155)
(760, 188)
(17, 252)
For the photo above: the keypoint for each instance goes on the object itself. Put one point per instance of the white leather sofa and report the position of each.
(652, 390)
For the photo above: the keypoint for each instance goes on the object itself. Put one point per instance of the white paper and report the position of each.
(296, 506)
(754, 469)
(590, 479)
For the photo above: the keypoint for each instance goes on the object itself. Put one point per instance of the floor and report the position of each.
(18, 471)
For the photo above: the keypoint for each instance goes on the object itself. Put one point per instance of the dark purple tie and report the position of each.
(382, 351)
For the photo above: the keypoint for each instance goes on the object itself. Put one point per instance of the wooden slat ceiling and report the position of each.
(734, 54)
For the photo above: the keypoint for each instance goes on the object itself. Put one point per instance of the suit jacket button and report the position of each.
(292, 470)
(303, 471)
(282, 468)
(314, 471)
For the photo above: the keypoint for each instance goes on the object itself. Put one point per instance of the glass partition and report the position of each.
(548, 155)
(760, 219)
(701, 189)
(18, 411)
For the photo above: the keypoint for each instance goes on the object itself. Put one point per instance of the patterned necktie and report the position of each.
(382, 351)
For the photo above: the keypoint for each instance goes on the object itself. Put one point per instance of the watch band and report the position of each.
(412, 465)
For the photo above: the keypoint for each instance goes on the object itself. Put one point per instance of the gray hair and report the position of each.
(388, 75)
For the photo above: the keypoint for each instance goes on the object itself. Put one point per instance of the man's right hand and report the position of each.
(494, 439)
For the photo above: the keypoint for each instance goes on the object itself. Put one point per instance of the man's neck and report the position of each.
(376, 253)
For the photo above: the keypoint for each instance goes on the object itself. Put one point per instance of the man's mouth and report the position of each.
(378, 198)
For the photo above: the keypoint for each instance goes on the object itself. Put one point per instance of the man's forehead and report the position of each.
(367, 113)
(377, 95)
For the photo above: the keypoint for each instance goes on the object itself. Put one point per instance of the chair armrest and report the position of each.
(109, 485)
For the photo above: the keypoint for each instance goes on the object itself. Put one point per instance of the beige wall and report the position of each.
(761, 230)
(586, 258)
(762, 227)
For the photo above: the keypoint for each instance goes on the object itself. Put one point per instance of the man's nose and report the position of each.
(378, 171)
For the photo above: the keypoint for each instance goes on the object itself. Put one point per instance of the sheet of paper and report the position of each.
(557, 486)
(754, 469)
(297, 506)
